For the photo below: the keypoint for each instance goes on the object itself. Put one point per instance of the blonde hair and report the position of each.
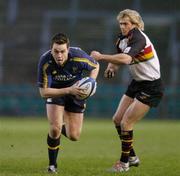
(134, 17)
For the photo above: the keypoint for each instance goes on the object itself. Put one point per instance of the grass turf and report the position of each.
(23, 149)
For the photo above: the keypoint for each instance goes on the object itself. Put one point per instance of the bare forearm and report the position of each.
(116, 58)
(52, 92)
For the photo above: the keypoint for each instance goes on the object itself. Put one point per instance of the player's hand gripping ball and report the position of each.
(89, 85)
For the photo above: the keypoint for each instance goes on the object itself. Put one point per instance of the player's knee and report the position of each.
(55, 131)
(116, 120)
(74, 136)
(125, 125)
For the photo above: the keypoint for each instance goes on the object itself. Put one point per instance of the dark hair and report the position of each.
(60, 38)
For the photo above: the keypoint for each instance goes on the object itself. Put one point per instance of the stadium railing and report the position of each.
(26, 101)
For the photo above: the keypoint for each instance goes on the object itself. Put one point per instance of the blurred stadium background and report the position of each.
(27, 26)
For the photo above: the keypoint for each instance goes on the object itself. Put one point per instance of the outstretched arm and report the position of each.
(118, 59)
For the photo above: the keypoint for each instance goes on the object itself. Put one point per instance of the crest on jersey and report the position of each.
(74, 69)
(54, 72)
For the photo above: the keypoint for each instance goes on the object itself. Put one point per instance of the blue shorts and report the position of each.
(70, 103)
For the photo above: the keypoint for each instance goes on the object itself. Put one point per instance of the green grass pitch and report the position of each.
(23, 149)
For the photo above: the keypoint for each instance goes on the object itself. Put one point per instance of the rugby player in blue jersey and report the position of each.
(145, 89)
(58, 71)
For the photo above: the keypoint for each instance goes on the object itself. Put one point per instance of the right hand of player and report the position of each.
(76, 91)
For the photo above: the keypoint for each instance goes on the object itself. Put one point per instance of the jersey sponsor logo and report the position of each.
(63, 77)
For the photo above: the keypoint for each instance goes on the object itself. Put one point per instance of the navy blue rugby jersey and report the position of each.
(53, 75)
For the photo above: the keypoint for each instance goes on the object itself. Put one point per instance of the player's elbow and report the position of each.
(127, 62)
(127, 59)
(94, 73)
(97, 70)
(43, 93)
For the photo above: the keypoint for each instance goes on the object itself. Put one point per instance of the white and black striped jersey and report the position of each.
(145, 63)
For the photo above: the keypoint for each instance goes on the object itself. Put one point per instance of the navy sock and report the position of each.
(53, 148)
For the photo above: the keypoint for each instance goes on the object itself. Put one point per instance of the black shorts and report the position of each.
(70, 103)
(147, 92)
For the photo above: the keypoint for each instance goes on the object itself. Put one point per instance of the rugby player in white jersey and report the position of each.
(145, 90)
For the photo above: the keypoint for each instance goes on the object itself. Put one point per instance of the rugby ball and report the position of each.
(89, 85)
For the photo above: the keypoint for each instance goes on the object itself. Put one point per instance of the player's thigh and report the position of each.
(135, 112)
(124, 103)
(74, 121)
(55, 114)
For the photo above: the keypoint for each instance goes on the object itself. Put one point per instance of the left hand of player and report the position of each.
(77, 91)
